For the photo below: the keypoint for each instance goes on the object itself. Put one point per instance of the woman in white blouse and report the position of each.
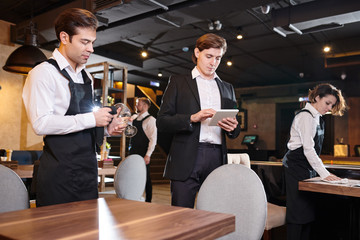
(302, 159)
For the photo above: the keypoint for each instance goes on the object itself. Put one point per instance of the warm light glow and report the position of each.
(144, 53)
(239, 36)
(327, 49)
(160, 74)
(229, 63)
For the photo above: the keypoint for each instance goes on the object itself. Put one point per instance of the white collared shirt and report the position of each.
(150, 130)
(302, 133)
(209, 98)
(46, 97)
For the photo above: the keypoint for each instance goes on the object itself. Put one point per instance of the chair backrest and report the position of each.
(13, 193)
(236, 189)
(357, 150)
(130, 178)
(239, 158)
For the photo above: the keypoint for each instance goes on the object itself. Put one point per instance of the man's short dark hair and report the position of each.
(207, 41)
(73, 18)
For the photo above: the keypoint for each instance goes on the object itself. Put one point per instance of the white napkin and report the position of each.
(341, 181)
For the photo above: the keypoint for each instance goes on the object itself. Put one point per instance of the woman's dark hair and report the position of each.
(325, 89)
(207, 41)
(73, 18)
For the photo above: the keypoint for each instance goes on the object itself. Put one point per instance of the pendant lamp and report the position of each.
(24, 58)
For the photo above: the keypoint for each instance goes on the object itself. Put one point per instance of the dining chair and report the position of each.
(13, 193)
(236, 189)
(275, 214)
(239, 158)
(130, 178)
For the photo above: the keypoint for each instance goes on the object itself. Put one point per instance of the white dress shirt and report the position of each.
(302, 133)
(46, 97)
(209, 98)
(150, 130)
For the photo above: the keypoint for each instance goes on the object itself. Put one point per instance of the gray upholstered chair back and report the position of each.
(236, 189)
(13, 193)
(130, 178)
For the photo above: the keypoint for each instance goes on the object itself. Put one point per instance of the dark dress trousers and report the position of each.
(139, 145)
(181, 100)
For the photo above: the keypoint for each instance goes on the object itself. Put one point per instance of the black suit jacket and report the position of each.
(181, 100)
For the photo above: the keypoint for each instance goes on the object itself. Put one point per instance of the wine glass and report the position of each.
(125, 115)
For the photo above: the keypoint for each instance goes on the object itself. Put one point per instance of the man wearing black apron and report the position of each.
(143, 143)
(58, 99)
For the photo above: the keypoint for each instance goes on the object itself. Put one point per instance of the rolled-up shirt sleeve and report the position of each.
(306, 126)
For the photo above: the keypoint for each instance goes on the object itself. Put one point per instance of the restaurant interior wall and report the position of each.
(15, 131)
(261, 117)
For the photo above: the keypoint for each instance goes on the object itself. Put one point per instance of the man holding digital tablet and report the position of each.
(188, 104)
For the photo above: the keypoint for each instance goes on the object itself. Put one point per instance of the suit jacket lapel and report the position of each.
(193, 87)
(221, 89)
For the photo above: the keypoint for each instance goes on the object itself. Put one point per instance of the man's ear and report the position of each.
(64, 37)
(196, 52)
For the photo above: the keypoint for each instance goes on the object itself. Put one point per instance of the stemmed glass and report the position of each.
(125, 115)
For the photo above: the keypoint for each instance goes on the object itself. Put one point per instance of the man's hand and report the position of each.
(103, 117)
(228, 124)
(202, 115)
(147, 159)
(118, 125)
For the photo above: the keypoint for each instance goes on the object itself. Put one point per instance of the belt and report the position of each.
(209, 145)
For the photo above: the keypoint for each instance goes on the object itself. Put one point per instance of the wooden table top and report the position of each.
(114, 218)
(26, 171)
(316, 185)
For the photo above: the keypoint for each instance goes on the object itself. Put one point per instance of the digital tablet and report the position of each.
(222, 113)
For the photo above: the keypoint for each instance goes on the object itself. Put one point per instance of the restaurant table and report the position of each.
(114, 218)
(26, 171)
(350, 189)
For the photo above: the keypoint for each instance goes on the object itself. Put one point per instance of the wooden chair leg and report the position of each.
(267, 235)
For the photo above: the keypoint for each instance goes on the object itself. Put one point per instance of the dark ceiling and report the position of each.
(168, 27)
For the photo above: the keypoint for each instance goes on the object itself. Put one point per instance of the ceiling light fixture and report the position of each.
(211, 26)
(185, 49)
(229, 63)
(159, 4)
(218, 25)
(343, 76)
(277, 30)
(160, 74)
(144, 53)
(295, 29)
(326, 49)
(168, 21)
(24, 58)
(265, 9)
(215, 25)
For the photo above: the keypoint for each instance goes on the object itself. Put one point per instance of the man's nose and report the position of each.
(90, 48)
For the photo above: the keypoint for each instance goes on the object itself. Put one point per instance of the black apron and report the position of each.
(299, 204)
(140, 142)
(68, 166)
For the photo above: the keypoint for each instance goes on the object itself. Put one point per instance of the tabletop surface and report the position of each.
(114, 218)
(352, 188)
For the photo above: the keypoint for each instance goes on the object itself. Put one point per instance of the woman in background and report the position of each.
(302, 159)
